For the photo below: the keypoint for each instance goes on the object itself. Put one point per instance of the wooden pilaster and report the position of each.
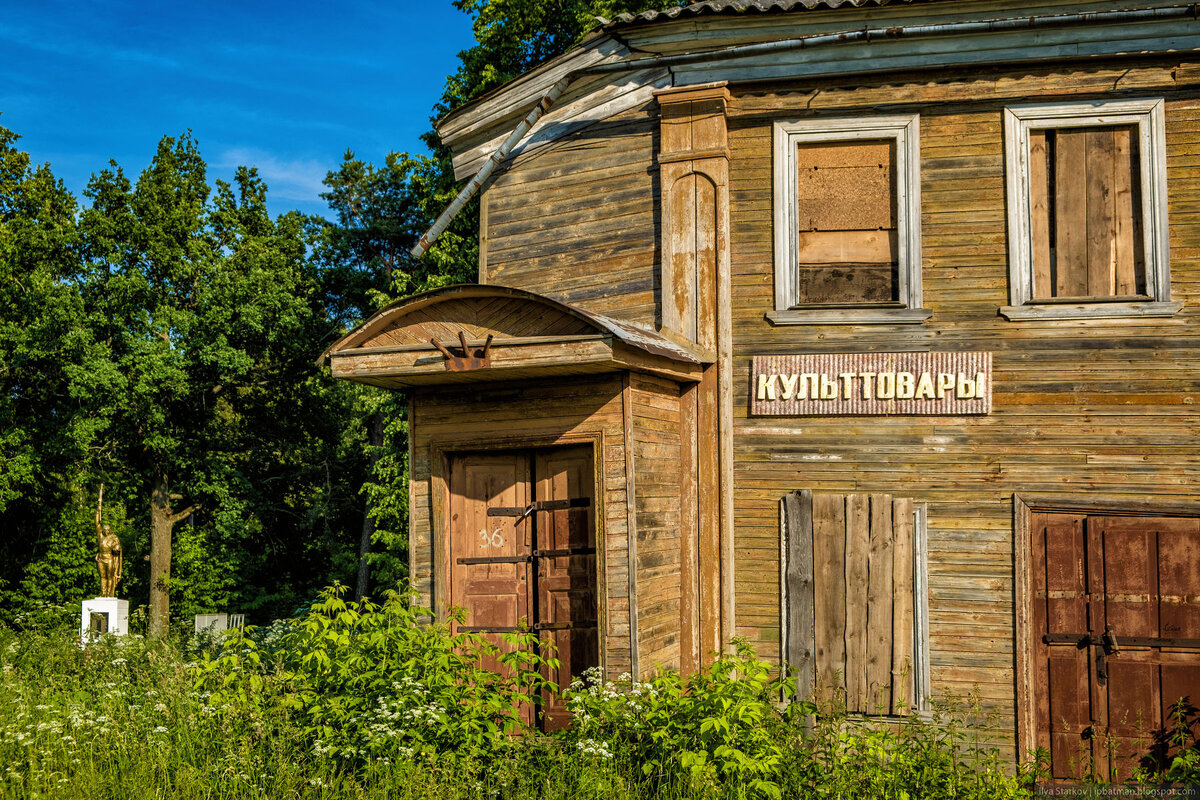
(694, 175)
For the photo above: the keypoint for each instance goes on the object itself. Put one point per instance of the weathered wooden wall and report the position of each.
(519, 415)
(1103, 407)
(578, 220)
(634, 420)
(654, 429)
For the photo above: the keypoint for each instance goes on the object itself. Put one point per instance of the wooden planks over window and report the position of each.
(850, 598)
(1085, 198)
(846, 246)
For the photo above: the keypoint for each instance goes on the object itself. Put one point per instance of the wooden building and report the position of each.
(864, 330)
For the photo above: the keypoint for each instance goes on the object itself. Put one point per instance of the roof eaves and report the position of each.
(592, 48)
(711, 7)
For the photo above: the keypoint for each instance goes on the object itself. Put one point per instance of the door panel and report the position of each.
(494, 594)
(566, 583)
(1179, 573)
(1060, 607)
(1117, 637)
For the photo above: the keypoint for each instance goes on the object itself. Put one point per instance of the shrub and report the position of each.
(370, 681)
(941, 756)
(1174, 756)
(367, 700)
(719, 728)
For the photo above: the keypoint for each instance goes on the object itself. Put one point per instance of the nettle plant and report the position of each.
(376, 682)
(720, 729)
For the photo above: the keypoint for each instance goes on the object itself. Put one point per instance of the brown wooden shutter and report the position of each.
(1087, 213)
(849, 597)
(846, 239)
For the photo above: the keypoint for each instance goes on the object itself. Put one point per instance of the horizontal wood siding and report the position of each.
(578, 220)
(1105, 408)
(512, 416)
(657, 472)
(1100, 407)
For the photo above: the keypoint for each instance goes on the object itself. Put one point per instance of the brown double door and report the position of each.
(1117, 638)
(523, 554)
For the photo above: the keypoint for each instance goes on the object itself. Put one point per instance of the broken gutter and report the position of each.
(801, 43)
(443, 221)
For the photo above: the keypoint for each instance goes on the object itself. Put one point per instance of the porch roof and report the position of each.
(471, 333)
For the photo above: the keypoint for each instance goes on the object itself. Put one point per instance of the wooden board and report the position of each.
(796, 512)
(829, 604)
(880, 621)
(858, 537)
(903, 664)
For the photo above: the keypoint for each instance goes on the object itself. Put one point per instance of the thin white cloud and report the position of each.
(66, 44)
(297, 180)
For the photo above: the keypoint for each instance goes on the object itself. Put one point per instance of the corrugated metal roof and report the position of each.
(738, 7)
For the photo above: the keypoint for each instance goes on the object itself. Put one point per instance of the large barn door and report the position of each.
(523, 554)
(1117, 627)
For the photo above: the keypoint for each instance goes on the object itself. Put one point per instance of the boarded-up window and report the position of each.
(846, 203)
(846, 239)
(1086, 208)
(1086, 190)
(853, 598)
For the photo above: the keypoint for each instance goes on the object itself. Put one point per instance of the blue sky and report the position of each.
(285, 87)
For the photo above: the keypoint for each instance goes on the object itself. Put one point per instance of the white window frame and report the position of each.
(1148, 116)
(790, 133)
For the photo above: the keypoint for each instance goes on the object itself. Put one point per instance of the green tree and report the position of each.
(513, 36)
(380, 211)
(42, 337)
(207, 311)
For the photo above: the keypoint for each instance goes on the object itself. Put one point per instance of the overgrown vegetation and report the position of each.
(366, 700)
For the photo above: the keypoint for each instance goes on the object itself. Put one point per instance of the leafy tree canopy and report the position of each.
(161, 341)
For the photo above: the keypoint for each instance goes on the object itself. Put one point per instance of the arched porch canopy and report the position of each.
(472, 333)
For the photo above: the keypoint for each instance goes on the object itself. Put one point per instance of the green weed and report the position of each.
(367, 700)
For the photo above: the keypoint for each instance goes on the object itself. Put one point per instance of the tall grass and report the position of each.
(282, 714)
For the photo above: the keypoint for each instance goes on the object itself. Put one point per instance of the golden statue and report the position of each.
(108, 557)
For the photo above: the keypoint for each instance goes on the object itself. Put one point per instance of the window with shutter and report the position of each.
(1087, 211)
(846, 248)
(847, 221)
(854, 610)
(1087, 239)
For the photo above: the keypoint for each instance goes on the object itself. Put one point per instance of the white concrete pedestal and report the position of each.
(103, 615)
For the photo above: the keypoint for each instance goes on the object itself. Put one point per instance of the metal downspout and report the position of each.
(443, 221)
(745, 50)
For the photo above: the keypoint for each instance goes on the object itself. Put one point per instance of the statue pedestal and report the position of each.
(103, 615)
